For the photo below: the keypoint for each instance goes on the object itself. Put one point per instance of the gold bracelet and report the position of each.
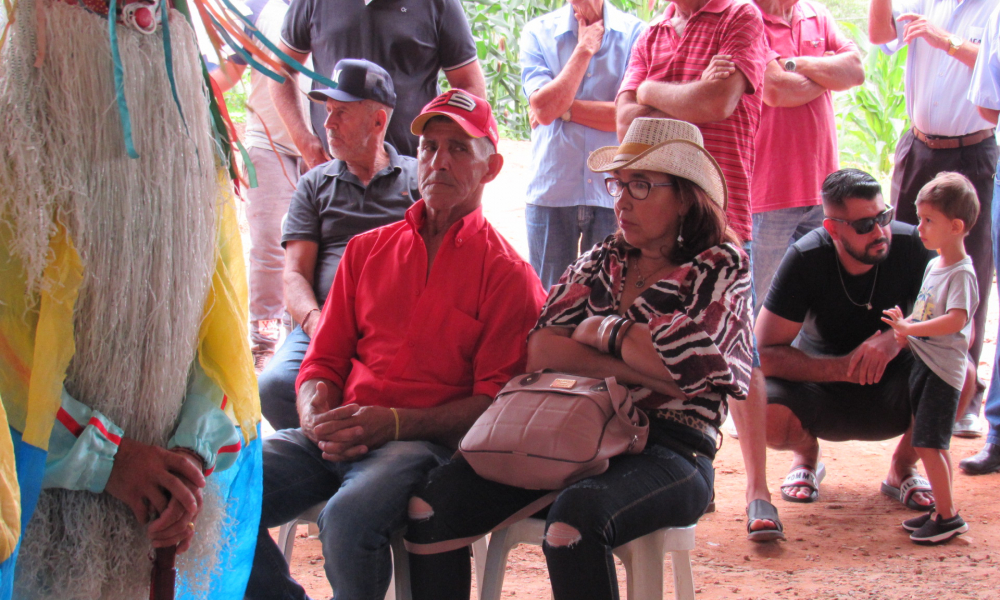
(395, 414)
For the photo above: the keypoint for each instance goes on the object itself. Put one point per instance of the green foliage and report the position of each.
(236, 98)
(872, 117)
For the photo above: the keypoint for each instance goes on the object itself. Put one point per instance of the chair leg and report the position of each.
(643, 562)
(480, 551)
(501, 543)
(286, 539)
(400, 569)
(683, 576)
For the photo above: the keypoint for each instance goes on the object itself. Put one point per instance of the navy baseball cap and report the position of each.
(358, 80)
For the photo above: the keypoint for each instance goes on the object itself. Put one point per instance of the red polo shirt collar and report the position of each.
(460, 231)
(715, 6)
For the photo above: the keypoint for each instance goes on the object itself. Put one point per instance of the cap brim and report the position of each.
(332, 94)
(681, 158)
(417, 127)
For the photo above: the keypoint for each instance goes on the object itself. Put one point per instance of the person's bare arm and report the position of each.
(299, 277)
(227, 75)
(286, 101)
(881, 24)
(469, 78)
(917, 26)
(779, 359)
(554, 98)
(594, 114)
(989, 114)
(627, 109)
(837, 72)
(786, 90)
(701, 101)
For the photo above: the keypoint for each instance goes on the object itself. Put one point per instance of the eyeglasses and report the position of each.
(637, 188)
(863, 226)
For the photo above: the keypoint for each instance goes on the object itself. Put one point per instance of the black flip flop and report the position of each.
(763, 510)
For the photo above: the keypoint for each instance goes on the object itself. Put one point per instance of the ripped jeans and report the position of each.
(637, 495)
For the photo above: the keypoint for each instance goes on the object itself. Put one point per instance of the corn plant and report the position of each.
(872, 117)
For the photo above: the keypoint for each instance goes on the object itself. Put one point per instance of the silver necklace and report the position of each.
(641, 279)
(871, 294)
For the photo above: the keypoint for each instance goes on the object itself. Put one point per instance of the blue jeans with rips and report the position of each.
(365, 504)
(557, 235)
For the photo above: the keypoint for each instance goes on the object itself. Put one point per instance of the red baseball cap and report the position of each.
(472, 113)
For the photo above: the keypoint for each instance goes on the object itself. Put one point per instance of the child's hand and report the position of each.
(900, 325)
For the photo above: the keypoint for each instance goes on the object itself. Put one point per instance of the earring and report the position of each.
(680, 234)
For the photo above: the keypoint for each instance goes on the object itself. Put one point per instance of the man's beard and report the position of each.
(865, 256)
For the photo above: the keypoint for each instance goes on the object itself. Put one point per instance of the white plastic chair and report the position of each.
(643, 559)
(399, 587)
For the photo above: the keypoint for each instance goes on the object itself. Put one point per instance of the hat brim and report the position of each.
(323, 95)
(681, 158)
(417, 127)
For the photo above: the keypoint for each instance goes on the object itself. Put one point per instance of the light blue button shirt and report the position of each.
(559, 150)
(936, 83)
(985, 88)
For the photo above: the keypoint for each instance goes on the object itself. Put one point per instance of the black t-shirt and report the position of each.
(807, 289)
(411, 39)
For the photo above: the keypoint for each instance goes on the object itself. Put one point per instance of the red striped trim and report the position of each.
(231, 448)
(69, 422)
(116, 439)
(225, 400)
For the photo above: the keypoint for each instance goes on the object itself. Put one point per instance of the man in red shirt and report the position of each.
(426, 320)
(703, 62)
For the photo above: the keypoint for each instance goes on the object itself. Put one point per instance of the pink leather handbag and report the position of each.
(548, 430)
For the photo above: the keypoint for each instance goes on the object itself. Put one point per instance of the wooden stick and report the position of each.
(162, 585)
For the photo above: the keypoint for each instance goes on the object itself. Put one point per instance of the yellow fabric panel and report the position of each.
(224, 352)
(54, 341)
(10, 493)
(36, 337)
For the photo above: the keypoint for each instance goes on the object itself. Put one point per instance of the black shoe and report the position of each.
(916, 523)
(986, 461)
(938, 530)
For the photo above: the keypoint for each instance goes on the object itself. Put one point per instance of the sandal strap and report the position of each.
(913, 485)
(799, 477)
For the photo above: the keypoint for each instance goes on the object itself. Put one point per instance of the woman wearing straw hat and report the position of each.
(675, 273)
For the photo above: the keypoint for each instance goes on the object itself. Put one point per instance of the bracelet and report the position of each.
(613, 338)
(620, 338)
(395, 414)
(603, 331)
(306, 320)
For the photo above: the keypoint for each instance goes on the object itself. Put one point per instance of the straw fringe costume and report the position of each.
(122, 309)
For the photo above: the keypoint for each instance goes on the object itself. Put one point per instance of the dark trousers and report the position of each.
(637, 495)
(916, 164)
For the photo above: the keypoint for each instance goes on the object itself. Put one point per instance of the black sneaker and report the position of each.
(916, 523)
(939, 529)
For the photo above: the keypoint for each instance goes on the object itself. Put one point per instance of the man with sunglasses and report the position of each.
(834, 370)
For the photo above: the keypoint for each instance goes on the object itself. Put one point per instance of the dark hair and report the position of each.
(705, 225)
(849, 183)
(953, 195)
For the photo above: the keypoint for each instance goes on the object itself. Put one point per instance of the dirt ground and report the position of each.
(848, 545)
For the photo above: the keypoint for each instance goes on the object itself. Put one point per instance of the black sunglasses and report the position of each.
(863, 226)
(638, 189)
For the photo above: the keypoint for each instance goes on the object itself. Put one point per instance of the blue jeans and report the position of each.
(557, 235)
(277, 383)
(365, 504)
(992, 410)
(773, 232)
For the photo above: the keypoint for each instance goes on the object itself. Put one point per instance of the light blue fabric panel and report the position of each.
(30, 462)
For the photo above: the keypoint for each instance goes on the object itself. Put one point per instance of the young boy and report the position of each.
(938, 334)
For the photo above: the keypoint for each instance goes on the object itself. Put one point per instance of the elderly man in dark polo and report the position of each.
(367, 185)
(426, 320)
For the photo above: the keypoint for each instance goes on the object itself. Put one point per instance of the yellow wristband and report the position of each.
(396, 415)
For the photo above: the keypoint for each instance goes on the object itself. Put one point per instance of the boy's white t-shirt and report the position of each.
(944, 289)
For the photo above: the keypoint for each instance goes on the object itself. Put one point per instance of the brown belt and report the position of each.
(938, 142)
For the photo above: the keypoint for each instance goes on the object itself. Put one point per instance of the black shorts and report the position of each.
(935, 404)
(843, 411)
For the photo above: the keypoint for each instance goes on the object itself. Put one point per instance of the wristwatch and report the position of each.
(790, 65)
(567, 116)
(956, 43)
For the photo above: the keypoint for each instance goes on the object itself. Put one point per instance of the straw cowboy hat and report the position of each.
(666, 146)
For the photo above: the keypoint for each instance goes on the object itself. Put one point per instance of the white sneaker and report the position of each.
(967, 427)
(729, 428)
